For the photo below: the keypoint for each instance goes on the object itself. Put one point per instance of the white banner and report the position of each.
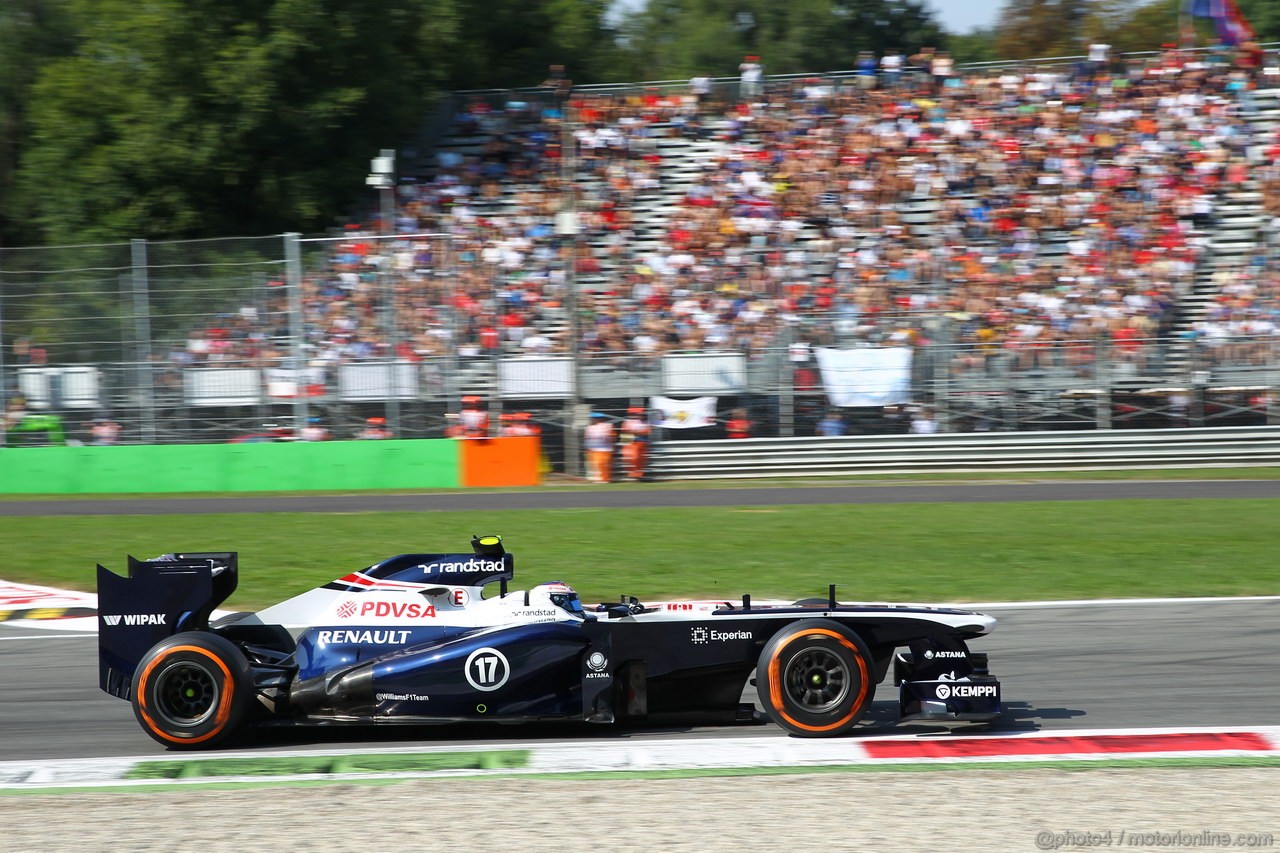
(283, 381)
(866, 376)
(684, 414)
(532, 377)
(59, 387)
(704, 373)
(372, 381)
(222, 386)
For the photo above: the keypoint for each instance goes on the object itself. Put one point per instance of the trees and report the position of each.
(179, 118)
(32, 32)
(977, 45)
(175, 119)
(511, 43)
(675, 39)
(1264, 16)
(1035, 28)
(213, 117)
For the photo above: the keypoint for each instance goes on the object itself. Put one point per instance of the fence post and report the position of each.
(1200, 380)
(786, 388)
(297, 330)
(1105, 383)
(1273, 383)
(494, 403)
(567, 232)
(388, 281)
(943, 405)
(142, 328)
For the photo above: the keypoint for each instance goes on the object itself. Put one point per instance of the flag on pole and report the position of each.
(1229, 22)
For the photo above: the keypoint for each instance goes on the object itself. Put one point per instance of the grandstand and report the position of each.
(1178, 209)
(919, 215)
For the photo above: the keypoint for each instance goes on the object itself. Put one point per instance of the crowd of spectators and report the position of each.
(1027, 213)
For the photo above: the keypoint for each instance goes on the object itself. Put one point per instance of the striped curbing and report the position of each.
(770, 753)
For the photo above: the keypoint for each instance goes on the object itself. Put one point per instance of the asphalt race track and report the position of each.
(1205, 664)
(1063, 667)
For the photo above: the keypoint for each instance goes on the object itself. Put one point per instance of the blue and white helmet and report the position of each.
(557, 594)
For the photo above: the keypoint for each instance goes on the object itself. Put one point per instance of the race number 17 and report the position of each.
(487, 669)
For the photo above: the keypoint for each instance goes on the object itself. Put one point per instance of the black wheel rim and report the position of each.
(817, 680)
(186, 694)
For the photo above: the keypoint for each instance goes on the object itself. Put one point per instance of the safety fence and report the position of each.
(258, 339)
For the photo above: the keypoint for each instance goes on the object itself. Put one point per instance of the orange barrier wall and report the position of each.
(507, 461)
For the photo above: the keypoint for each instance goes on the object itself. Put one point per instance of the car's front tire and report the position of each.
(192, 691)
(815, 678)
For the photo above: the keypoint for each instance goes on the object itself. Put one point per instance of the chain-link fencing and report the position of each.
(366, 335)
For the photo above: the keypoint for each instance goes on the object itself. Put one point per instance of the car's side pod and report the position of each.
(159, 598)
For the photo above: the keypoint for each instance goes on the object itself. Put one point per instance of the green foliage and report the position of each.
(511, 43)
(977, 45)
(1035, 28)
(32, 32)
(175, 119)
(187, 118)
(170, 119)
(1263, 16)
(68, 300)
(1039, 28)
(1131, 26)
(1151, 25)
(676, 39)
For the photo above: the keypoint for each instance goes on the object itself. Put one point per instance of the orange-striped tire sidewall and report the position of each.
(775, 680)
(227, 695)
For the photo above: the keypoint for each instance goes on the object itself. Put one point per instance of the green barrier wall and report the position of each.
(298, 466)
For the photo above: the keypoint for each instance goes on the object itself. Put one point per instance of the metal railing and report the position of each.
(1233, 447)
(253, 339)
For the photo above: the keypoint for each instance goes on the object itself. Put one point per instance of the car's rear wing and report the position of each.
(159, 598)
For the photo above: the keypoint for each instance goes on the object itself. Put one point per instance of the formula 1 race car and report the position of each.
(415, 639)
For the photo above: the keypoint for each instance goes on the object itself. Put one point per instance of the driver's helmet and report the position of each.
(559, 595)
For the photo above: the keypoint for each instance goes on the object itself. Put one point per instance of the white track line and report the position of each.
(48, 636)
(1118, 602)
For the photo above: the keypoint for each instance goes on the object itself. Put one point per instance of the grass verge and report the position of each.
(209, 768)
(921, 552)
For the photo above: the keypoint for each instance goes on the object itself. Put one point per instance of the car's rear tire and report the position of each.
(815, 678)
(192, 691)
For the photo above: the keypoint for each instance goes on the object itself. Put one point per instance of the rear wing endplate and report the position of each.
(158, 599)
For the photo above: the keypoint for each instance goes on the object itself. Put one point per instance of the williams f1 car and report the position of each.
(439, 638)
